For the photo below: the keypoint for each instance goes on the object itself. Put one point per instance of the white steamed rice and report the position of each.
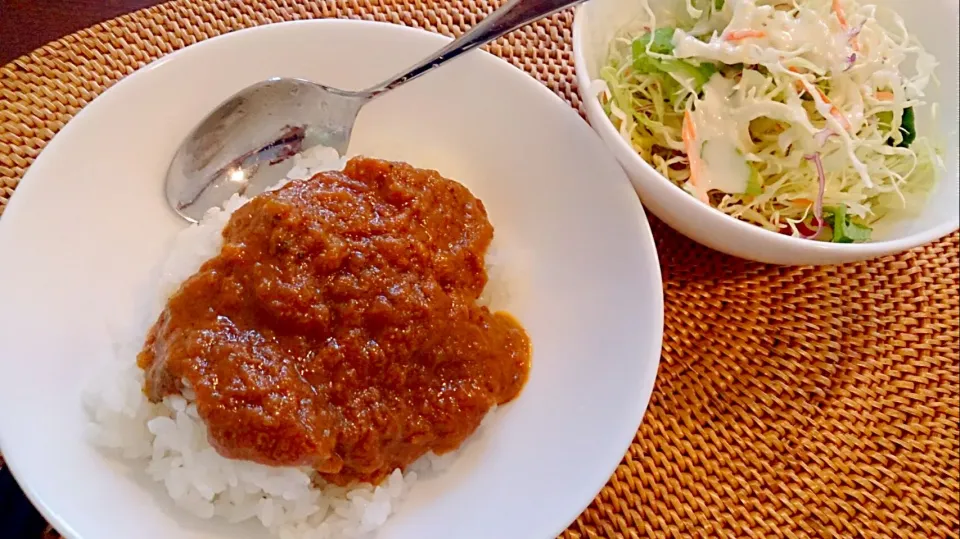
(170, 441)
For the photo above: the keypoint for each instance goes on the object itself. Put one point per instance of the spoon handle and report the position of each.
(507, 18)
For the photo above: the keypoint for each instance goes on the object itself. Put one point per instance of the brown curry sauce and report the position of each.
(338, 327)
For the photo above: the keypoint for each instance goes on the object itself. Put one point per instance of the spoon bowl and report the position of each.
(246, 144)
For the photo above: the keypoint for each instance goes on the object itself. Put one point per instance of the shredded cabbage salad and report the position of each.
(797, 116)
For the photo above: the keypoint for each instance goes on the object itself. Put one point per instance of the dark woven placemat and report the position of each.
(790, 402)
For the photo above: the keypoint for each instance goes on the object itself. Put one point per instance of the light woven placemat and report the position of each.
(796, 402)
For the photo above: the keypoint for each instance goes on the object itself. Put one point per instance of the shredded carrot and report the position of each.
(689, 135)
(884, 96)
(842, 18)
(801, 202)
(834, 111)
(855, 44)
(798, 84)
(740, 35)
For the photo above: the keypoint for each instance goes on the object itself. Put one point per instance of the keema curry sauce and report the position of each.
(339, 328)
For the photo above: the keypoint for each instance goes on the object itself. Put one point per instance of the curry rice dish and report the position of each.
(336, 331)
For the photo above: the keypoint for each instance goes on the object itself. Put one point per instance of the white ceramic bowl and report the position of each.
(89, 223)
(933, 21)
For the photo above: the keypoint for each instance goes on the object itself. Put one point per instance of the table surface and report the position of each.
(28, 24)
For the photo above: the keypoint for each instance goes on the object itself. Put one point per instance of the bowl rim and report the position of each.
(690, 204)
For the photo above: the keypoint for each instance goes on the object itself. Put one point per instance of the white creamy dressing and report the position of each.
(724, 168)
(718, 140)
(722, 117)
(818, 41)
(722, 120)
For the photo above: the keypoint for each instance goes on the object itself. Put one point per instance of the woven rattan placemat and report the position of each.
(790, 402)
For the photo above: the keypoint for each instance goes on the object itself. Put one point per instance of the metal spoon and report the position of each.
(246, 144)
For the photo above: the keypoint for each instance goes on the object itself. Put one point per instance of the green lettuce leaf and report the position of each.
(908, 127)
(660, 41)
(844, 229)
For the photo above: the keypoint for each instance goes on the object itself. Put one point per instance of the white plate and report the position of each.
(89, 222)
